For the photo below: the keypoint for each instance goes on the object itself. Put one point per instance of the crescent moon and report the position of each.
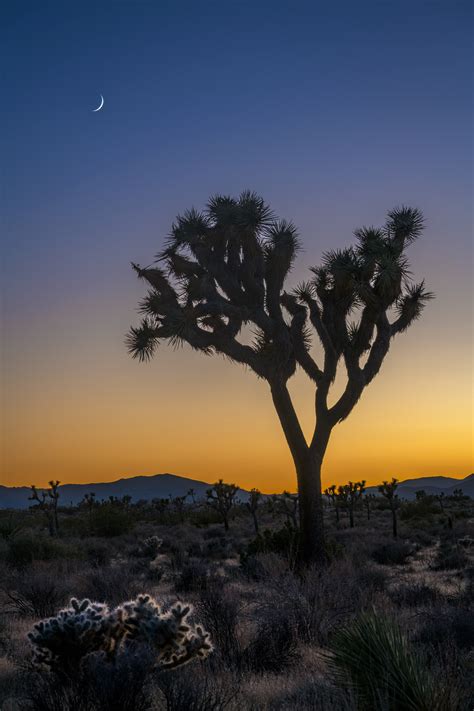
(100, 105)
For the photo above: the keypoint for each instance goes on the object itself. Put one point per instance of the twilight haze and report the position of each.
(335, 113)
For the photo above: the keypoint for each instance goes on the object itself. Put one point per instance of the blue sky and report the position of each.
(334, 112)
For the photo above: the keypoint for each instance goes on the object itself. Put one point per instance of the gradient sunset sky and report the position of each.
(334, 112)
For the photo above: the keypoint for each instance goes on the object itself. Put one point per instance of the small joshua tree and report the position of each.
(221, 498)
(351, 494)
(253, 504)
(288, 505)
(388, 490)
(61, 643)
(89, 503)
(368, 500)
(179, 503)
(223, 275)
(48, 503)
(331, 493)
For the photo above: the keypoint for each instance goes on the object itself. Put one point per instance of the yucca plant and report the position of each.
(375, 658)
(223, 273)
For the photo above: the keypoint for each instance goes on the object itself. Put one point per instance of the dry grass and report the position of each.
(248, 607)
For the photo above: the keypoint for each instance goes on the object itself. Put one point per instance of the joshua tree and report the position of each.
(223, 272)
(161, 506)
(331, 493)
(253, 505)
(178, 503)
(388, 489)
(89, 502)
(368, 499)
(221, 498)
(351, 493)
(48, 502)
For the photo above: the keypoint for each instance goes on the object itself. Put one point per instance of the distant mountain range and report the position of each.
(164, 485)
(159, 486)
(431, 485)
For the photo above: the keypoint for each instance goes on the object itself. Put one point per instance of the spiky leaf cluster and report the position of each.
(388, 490)
(62, 642)
(351, 492)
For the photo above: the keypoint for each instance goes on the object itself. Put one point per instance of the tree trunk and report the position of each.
(311, 529)
(255, 522)
(351, 517)
(308, 462)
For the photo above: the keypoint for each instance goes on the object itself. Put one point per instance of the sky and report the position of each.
(335, 113)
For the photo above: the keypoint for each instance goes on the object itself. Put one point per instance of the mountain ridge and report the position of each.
(163, 485)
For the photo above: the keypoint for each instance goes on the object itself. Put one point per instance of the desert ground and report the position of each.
(386, 624)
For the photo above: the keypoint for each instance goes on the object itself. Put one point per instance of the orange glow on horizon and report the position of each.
(205, 418)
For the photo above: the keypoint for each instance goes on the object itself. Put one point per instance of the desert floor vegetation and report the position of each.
(386, 624)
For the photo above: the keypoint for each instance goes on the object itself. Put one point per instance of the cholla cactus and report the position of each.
(62, 642)
(170, 634)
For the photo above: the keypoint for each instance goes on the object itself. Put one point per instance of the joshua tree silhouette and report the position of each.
(223, 270)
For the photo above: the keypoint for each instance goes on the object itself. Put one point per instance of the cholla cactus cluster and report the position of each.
(62, 642)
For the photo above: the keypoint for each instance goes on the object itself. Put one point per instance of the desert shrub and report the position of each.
(274, 646)
(264, 566)
(442, 624)
(218, 549)
(384, 671)
(219, 609)
(415, 594)
(283, 541)
(27, 547)
(195, 549)
(450, 557)
(37, 592)
(195, 575)
(111, 584)
(97, 686)
(370, 580)
(393, 553)
(62, 643)
(150, 546)
(215, 532)
(196, 689)
(9, 527)
(108, 521)
(204, 516)
(97, 552)
(421, 537)
(314, 695)
(321, 599)
(176, 551)
(425, 507)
